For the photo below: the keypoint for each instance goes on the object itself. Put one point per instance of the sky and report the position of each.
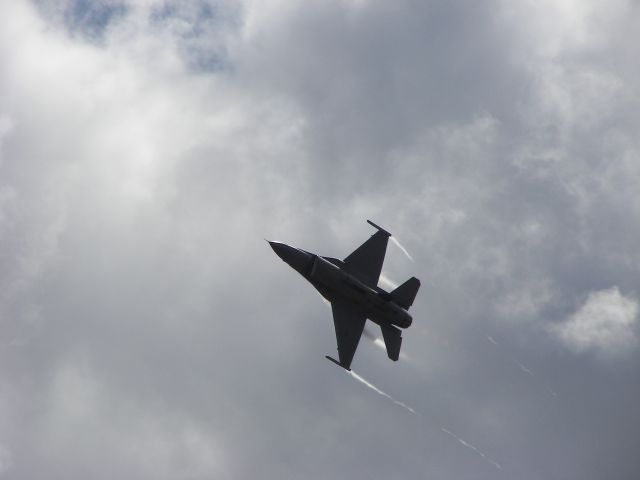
(148, 148)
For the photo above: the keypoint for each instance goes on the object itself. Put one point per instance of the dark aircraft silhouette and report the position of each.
(351, 285)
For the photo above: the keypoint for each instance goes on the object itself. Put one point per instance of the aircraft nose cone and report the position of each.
(297, 259)
(279, 248)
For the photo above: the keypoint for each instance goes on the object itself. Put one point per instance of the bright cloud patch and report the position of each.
(605, 323)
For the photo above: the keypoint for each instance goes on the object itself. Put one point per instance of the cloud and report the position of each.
(605, 323)
(147, 148)
(153, 440)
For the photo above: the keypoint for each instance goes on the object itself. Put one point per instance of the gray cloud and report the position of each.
(149, 332)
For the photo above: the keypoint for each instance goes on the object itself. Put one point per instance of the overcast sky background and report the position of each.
(148, 147)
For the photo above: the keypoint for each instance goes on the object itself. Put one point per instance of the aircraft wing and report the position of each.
(366, 260)
(349, 323)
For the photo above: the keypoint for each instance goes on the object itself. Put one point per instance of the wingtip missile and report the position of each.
(337, 362)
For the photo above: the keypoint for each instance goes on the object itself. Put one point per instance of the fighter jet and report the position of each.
(351, 285)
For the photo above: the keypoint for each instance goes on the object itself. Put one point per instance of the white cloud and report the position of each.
(86, 416)
(560, 26)
(142, 166)
(604, 324)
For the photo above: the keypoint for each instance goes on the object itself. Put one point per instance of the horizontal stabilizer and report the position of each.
(392, 340)
(406, 293)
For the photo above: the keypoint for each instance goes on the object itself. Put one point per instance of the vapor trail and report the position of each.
(387, 282)
(525, 369)
(368, 334)
(462, 442)
(380, 392)
(521, 366)
(373, 338)
(404, 250)
(512, 358)
(471, 447)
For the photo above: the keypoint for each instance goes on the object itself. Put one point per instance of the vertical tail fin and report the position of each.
(406, 293)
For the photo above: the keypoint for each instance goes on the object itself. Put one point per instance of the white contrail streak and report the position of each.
(369, 334)
(513, 359)
(462, 442)
(525, 369)
(387, 282)
(380, 392)
(404, 250)
(472, 447)
(521, 366)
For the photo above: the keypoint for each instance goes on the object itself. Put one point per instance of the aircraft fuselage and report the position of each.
(334, 282)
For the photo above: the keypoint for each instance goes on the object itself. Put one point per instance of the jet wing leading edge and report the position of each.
(366, 260)
(349, 323)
